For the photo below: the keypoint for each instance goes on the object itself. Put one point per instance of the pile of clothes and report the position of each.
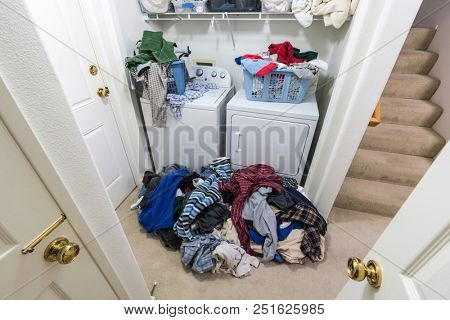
(150, 65)
(224, 222)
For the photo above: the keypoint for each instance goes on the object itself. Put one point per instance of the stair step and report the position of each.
(412, 140)
(415, 61)
(411, 86)
(419, 38)
(409, 112)
(372, 196)
(388, 167)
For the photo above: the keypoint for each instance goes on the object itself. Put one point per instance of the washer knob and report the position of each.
(213, 74)
(222, 75)
(199, 72)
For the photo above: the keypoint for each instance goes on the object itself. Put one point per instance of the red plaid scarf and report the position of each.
(243, 184)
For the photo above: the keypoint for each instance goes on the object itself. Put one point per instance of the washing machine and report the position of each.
(276, 134)
(198, 137)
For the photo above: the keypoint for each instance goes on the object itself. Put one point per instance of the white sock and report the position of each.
(136, 204)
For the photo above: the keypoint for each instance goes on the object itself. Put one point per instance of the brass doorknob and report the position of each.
(61, 250)
(103, 92)
(358, 271)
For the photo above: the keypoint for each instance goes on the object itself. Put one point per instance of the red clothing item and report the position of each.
(285, 52)
(267, 69)
(251, 56)
(243, 184)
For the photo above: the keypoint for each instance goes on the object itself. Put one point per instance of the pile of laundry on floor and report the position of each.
(226, 222)
(150, 65)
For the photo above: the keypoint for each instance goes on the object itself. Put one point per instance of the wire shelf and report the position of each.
(224, 16)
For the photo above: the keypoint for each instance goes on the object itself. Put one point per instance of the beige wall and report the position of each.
(437, 13)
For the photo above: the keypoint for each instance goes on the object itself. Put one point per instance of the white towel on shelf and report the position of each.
(155, 6)
(334, 12)
(302, 12)
(276, 5)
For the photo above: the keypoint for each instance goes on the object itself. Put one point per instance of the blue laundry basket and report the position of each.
(176, 82)
(277, 86)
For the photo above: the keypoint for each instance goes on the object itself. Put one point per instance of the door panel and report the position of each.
(414, 250)
(276, 143)
(26, 209)
(67, 42)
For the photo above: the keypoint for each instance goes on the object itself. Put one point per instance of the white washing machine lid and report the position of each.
(307, 109)
(210, 100)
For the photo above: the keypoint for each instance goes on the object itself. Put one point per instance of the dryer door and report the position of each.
(277, 143)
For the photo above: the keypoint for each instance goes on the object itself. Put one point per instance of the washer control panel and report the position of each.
(214, 75)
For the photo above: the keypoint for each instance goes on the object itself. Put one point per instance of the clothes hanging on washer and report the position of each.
(151, 48)
(192, 92)
(154, 44)
(155, 90)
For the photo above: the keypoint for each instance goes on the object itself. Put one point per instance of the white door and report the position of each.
(414, 250)
(26, 209)
(63, 31)
(277, 143)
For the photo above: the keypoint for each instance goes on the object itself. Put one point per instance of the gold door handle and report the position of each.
(33, 243)
(93, 69)
(61, 250)
(103, 92)
(358, 271)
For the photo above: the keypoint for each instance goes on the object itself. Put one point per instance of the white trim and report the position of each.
(375, 38)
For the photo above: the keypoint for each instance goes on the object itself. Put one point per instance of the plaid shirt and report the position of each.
(243, 184)
(197, 253)
(314, 225)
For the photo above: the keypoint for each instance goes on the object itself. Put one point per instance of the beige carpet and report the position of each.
(349, 234)
(393, 156)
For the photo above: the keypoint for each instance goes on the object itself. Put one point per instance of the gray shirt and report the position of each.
(257, 209)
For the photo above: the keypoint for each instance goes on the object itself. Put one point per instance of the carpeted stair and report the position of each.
(393, 156)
